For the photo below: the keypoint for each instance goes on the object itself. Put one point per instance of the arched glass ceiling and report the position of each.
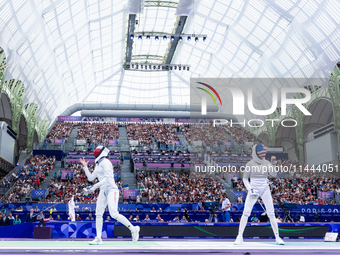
(69, 51)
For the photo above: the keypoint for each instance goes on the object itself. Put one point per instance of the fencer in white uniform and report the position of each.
(71, 212)
(258, 170)
(108, 195)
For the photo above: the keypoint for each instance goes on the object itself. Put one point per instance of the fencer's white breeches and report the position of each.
(108, 198)
(265, 194)
(72, 215)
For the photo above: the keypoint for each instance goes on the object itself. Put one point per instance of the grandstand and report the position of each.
(179, 91)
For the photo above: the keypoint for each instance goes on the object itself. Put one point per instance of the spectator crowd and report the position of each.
(97, 133)
(176, 187)
(61, 130)
(30, 176)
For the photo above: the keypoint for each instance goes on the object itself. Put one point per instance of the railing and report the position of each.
(28, 192)
(48, 146)
(6, 194)
(4, 189)
(17, 168)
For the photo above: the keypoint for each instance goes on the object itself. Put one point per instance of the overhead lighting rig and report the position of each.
(151, 67)
(166, 36)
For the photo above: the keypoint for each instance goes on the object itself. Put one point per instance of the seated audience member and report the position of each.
(10, 216)
(136, 219)
(90, 217)
(17, 220)
(176, 219)
(278, 218)
(215, 218)
(183, 220)
(40, 216)
(254, 218)
(159, 219)
(147, 218)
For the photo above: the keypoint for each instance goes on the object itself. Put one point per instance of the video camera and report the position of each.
(212, 206)
(287, 207)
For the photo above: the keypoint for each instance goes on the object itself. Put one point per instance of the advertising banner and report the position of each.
(131, 193)
(326, 194)
(37, 193)
(113, 142)
(238, 193)
(67, 174)
(176, 142)
(58, 141)
(69, 118)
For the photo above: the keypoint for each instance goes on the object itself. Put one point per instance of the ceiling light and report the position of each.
(148, 37)
(156, 38)
(172, 38)
(165, 38)
(131, 36)
(140, 37)
(180, 38)
(189, 38)
(204, 39)
(196, 39)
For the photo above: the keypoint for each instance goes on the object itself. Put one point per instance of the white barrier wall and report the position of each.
(6, 143)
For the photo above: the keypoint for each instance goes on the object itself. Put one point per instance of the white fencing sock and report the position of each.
(275, 226)
(99, 226)
(122, 219)
(243, 223)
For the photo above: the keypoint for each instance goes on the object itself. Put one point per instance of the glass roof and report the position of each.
(70, 51)
(154, 19)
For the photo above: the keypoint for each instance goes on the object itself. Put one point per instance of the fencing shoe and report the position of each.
(135, 234)
(239, 240)
(279, 241)
(96, 241)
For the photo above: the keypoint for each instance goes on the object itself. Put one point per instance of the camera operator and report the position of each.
(186, 214)
(226, 208)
